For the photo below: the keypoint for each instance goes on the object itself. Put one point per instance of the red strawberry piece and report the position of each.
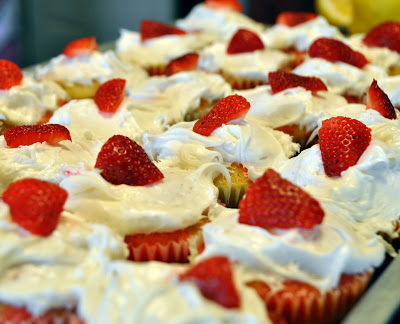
(109, 95)
(294, 18)
(227, 109)
(273, 202)
(19, 315)
(123, 161)
(333, 50)
(35, 205)
(244, 41)
(342, 141)
(280, 81)
(151, 29)
(214, 278)
(386, 34)
(234, 5)
(30, 134)
(186, 62)
(10, 75)
(81, 47)
(379, 101)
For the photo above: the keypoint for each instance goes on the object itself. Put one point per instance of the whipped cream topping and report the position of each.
(318, 257)
(252, 65)
(47, 162)
(83, 70)
(221, 23)
(159, 50)
(380, 56)
(339, 77)
(181, 93)
(249, 142)
(364, 193)
(25, 104)
(300, 36)
(131, 119)
(391, 86)
(180, 200)
(292, 106)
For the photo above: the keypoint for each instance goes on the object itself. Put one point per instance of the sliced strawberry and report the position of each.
(19, 315)
(386, 34)
(123, 161)
(227, 109)
(379, 101)
(109, 95)
(81, 47)
(294, 18)
(186, 62)
(151, 29)
(280, 81)
(273, 202)
(234, 5)
(214, 278)
(30, 134)
(333, 50)
(10, 75)
(342, 141)
(35, 205)
(244, 41)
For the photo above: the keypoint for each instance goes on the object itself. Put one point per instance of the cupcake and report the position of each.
(288, 243)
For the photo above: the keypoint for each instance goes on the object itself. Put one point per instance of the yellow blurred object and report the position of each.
(337, 12)
(359, 16)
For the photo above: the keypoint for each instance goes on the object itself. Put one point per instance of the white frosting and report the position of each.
(178, 201)
(85, 69)
(300, 36)
(391, 86)
(318, 257)
(248, 142)
(292, 106)
(181, 93)
(159, 50)
(47, 162)
(380, 56)
(253, 65)
(222, 23)
(339, 77)
(365, 192)
(25, 104)
(131, 119)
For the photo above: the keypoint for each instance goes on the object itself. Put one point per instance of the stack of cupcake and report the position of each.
(213, 171)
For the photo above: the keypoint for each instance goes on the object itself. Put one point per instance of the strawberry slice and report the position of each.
(386, 35)
(227, 109)
(273, 202)
(123, 161)
(333, 50)
(10, 75)
(379, 101)
(19, 315)
(81, 47)
(294, 18)
(35, 205)
(244, 41)
(151, 29)
(233, 5)
(342, 141)
(280, 81)
(30, 134)
(186, 62)
(214, 278)
(109, 95)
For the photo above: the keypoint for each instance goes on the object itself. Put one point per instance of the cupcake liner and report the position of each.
(156, 69)
(204, 107)
(80, 91)
(170, 247)
(300, 303)
(240, 83)
(299, 134)
(232, 197)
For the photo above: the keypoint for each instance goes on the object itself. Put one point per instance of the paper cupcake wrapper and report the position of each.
(240, 83)
(231, 197)
(308, 306)
(80, 91)
(156, 69)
